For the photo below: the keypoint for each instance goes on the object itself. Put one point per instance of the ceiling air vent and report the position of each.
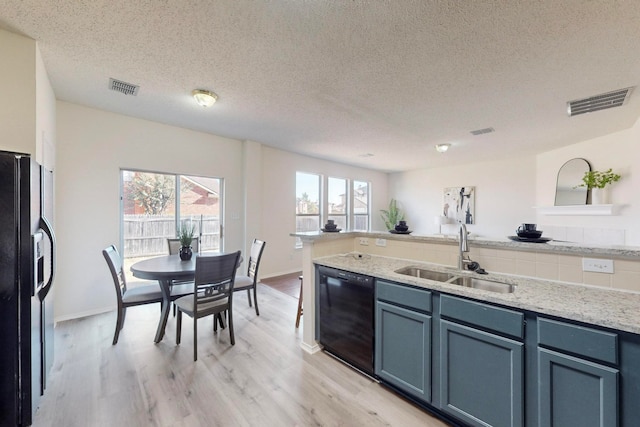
(603, 101)
(123, 87)
(482, 131)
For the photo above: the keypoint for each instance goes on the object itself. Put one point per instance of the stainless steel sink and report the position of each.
(487, 285)
(423, 273)
(454, 279)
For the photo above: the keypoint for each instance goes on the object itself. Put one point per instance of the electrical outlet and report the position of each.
(597, 265)
(364, 241)
(381, 242)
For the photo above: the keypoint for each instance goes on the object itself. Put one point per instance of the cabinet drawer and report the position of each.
(404, 295)
(587, 342)
(501, 320)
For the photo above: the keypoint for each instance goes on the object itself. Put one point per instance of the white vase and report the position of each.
(600, 196)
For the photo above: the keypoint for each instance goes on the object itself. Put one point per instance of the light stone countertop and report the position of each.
(554, 246)
(602, 307)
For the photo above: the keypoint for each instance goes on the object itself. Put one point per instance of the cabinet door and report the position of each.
(576, 392)
(481, 376)
(403, 349)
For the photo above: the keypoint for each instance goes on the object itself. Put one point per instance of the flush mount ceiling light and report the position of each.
(442, 148)
(204, 98)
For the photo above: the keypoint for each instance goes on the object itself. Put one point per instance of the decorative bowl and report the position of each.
(530, 234)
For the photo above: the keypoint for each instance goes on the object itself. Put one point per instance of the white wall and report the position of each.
(620, 151)
(18, 89)
(93, 146)
(45, 102)
(505, 195)
(278, 202)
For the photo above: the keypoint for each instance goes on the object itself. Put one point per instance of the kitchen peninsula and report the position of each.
(557, 332)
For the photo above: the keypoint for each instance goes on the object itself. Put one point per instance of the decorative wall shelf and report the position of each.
(578, 210)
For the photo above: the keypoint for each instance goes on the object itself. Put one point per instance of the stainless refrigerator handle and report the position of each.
(46, 227)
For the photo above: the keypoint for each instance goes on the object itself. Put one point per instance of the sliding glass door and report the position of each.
(154, 205)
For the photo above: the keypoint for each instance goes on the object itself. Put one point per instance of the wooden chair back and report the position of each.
(174, 245)
(114, 261)
(214, 279)
(257, 247)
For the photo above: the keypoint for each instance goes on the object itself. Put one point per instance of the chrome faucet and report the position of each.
(463, 258)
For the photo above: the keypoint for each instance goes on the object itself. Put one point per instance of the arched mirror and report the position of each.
(569, 177)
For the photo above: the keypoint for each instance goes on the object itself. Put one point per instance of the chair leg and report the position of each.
(119, 320)
(178, 328)
(124, 315)
(249, 296)
(195, 338)
(255, 298)
(230, 323)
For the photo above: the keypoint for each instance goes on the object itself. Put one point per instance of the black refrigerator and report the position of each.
(27, 269)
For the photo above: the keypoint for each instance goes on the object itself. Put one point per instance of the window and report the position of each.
(337, 205)
(153, 205)
(307, 203)
(360, 206)
(347, 204)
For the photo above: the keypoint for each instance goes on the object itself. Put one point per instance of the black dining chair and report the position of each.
(212, 294)
(174, 245)
(127, 296)
(180, 288)
(250, 280)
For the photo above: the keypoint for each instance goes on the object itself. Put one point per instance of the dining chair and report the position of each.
(127, 296)
(180, 288)
(174, 245)
(212, 294)
(250, 280)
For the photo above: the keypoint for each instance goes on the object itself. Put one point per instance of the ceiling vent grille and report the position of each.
(482, 131)
(603, 101)
(123, 87)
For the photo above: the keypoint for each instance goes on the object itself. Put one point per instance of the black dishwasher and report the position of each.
(345, 309)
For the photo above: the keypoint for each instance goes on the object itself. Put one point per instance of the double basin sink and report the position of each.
(454, 279)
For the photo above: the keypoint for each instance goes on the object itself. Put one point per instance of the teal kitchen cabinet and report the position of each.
(403, 338)
(578, 376)
(481, 363)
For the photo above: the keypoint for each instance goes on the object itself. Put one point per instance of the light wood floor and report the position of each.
(264, 380)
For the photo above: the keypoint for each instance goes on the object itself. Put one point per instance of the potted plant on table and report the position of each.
(185, 234)
(392, 215)
(597, 182)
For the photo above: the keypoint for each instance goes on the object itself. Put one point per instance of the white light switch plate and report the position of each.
(364, 241)
(381, 242)
(597, 265)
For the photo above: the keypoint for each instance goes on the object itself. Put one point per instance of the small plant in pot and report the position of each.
(185, 234)
(596, 182)
(392, 216)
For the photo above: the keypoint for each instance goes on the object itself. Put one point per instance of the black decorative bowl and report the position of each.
(530, 234)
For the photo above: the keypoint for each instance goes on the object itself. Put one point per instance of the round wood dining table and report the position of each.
(165, 269)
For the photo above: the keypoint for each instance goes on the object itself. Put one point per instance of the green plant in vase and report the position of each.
(185, 235)
(596, 182)
(597, 179)
(392, 215)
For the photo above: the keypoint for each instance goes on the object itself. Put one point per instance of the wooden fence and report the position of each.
(146, 235)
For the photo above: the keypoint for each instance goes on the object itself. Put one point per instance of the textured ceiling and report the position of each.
(342, 79)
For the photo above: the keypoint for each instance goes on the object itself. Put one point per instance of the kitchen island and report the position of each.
(550, 344)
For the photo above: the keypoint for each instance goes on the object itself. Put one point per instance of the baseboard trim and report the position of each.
(272, 275)
(311, 349)
(81, 314)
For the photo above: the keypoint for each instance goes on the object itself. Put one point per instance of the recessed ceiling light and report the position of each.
(442, 148)
(365, 155)
(204, 97)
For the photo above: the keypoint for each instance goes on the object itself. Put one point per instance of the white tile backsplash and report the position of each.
(590, 236)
